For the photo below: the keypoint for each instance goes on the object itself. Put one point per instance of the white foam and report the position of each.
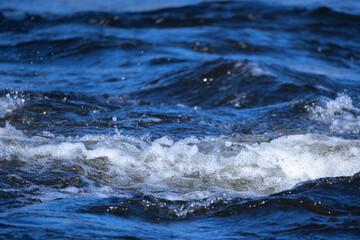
(340, 114)
(9, 103)
(254, 70)
(188, 168)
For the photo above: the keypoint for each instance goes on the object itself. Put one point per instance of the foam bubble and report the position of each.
(188, 168)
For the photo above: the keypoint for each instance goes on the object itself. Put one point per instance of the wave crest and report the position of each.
(191, 165)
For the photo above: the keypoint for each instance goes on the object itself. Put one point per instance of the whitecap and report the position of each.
(188, 167)
(340, 114)
(9, 103)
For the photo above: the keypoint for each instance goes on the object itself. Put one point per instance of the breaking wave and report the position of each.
(9, 103)
(188, 168)
(340, 114)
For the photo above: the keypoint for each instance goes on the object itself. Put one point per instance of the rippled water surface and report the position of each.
(179, 119)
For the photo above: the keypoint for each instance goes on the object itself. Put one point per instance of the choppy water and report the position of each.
(179, 119)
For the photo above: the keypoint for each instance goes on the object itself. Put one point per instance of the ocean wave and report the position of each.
(340, 114)
(189, 119)
(238, 84)
(202, 14)
(207, 166)
(9, 103)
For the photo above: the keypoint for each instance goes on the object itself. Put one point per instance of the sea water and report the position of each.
(179, 119)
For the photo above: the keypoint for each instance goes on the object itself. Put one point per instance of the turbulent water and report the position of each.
(179, 119)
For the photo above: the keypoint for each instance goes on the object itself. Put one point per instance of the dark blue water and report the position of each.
(179, 119)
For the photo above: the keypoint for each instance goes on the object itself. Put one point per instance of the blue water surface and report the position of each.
(179, 119)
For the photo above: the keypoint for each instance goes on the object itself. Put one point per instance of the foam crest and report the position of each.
(9, 103)
(188, 168)
(253, 69)
(340, 114)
